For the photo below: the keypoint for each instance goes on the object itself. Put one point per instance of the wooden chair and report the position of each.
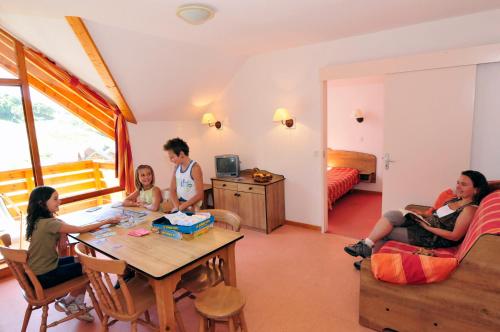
(36, 296)
(127, 303)
(221, 304)
(209, 274)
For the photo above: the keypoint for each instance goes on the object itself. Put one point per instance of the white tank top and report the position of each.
(444, 211)
(185, 182)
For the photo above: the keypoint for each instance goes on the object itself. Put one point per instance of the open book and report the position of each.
(415, 216)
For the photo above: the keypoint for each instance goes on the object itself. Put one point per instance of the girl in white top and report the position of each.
(146, 194)
(186, 186)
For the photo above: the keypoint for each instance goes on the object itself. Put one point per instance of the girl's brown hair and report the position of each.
(138, 184)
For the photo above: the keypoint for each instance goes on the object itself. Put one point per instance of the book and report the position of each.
(414, 216)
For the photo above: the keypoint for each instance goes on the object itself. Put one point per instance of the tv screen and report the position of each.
(227, 165)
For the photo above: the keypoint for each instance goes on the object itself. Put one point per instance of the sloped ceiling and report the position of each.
(169, 70)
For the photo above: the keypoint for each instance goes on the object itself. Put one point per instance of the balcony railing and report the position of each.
(69, 179)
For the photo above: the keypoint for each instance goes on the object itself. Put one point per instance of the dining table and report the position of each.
(161, 259)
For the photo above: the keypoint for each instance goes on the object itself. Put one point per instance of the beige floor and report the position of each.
(294, 279)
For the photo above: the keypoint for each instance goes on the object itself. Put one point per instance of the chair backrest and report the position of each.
(225, 219)
(17, 260)
(99, 271)
(486, 221)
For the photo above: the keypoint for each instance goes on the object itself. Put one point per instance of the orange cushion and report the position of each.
(443, 197)
(402, 263)
(404, 268)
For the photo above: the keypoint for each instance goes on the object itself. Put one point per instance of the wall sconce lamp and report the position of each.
(282, 115)
(209, 119)
(358, 115)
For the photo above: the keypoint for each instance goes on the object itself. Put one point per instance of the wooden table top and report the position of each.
(154, 254)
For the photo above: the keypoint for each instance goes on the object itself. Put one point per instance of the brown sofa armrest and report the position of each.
(420, 208)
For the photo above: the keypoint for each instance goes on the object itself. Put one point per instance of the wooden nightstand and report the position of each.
(367, 177)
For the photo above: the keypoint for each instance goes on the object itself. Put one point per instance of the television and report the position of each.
(227, 165)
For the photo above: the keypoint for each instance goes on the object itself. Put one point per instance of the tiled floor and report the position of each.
(294, 280)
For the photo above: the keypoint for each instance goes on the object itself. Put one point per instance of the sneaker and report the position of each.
(61, 305)
(357, 264)
(73, 308)
(359, 249)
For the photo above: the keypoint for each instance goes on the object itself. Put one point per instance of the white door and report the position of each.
(427, 133)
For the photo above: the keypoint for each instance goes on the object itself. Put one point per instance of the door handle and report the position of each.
(237, 195)
(387, 160)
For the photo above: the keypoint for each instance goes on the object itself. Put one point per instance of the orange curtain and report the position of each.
(124, 168)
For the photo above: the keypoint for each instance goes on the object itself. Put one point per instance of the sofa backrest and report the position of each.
(486, 221)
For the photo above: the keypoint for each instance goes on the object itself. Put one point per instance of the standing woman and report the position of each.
(44, 230)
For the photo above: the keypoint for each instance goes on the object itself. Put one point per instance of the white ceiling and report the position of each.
(169, 70)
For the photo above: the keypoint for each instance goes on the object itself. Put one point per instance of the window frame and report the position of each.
(23, 84)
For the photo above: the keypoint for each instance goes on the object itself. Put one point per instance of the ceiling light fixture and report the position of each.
(195, 14)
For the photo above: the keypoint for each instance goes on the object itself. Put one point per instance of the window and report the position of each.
(52, 134)
(16, 173)
(75, 157)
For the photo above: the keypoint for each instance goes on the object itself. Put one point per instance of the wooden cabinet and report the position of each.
(260, 205)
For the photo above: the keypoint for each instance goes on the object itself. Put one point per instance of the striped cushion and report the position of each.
(402, 263)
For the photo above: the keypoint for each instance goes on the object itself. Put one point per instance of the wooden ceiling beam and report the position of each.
(40, 79)
(97, 60)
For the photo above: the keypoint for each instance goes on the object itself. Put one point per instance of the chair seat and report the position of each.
(142, 295)
(220, 302)
(199, 279)
(59, 291)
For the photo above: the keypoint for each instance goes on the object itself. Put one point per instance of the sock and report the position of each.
(69, 299)
(368, 242)
(80, 299)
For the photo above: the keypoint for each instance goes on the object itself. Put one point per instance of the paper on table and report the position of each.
(182, 219)
(139, 232)
(100, 236)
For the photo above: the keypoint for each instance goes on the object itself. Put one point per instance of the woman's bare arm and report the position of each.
(461, 226)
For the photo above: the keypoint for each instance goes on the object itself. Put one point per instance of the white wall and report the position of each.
(290, 78)
(148, 138)
(345, 133)
(485, 155)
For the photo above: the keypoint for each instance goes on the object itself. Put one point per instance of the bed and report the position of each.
(344, 170)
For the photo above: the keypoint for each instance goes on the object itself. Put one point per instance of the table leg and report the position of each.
(164, 290)
(230, 265)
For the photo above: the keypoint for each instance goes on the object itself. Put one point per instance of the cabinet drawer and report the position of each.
(251, 188)
(225, 185)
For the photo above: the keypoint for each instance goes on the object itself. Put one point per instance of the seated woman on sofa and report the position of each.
(447, 225)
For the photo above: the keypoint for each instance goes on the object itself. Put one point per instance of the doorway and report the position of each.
(354, 130)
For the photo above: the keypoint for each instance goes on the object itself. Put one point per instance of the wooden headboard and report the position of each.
(364, 162)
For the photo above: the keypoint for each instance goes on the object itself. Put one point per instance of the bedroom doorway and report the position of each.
(354, 130)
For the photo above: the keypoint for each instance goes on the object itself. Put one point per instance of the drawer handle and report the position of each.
(237, 195)
(223, 184)
(250, 188)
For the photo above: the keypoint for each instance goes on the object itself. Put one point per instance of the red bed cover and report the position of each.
(340, 180)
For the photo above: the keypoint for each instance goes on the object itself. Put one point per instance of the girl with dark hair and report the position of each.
(446, 227)
(146, 194)
(43, 231)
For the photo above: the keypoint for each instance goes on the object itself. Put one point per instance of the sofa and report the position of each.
(467, 300)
